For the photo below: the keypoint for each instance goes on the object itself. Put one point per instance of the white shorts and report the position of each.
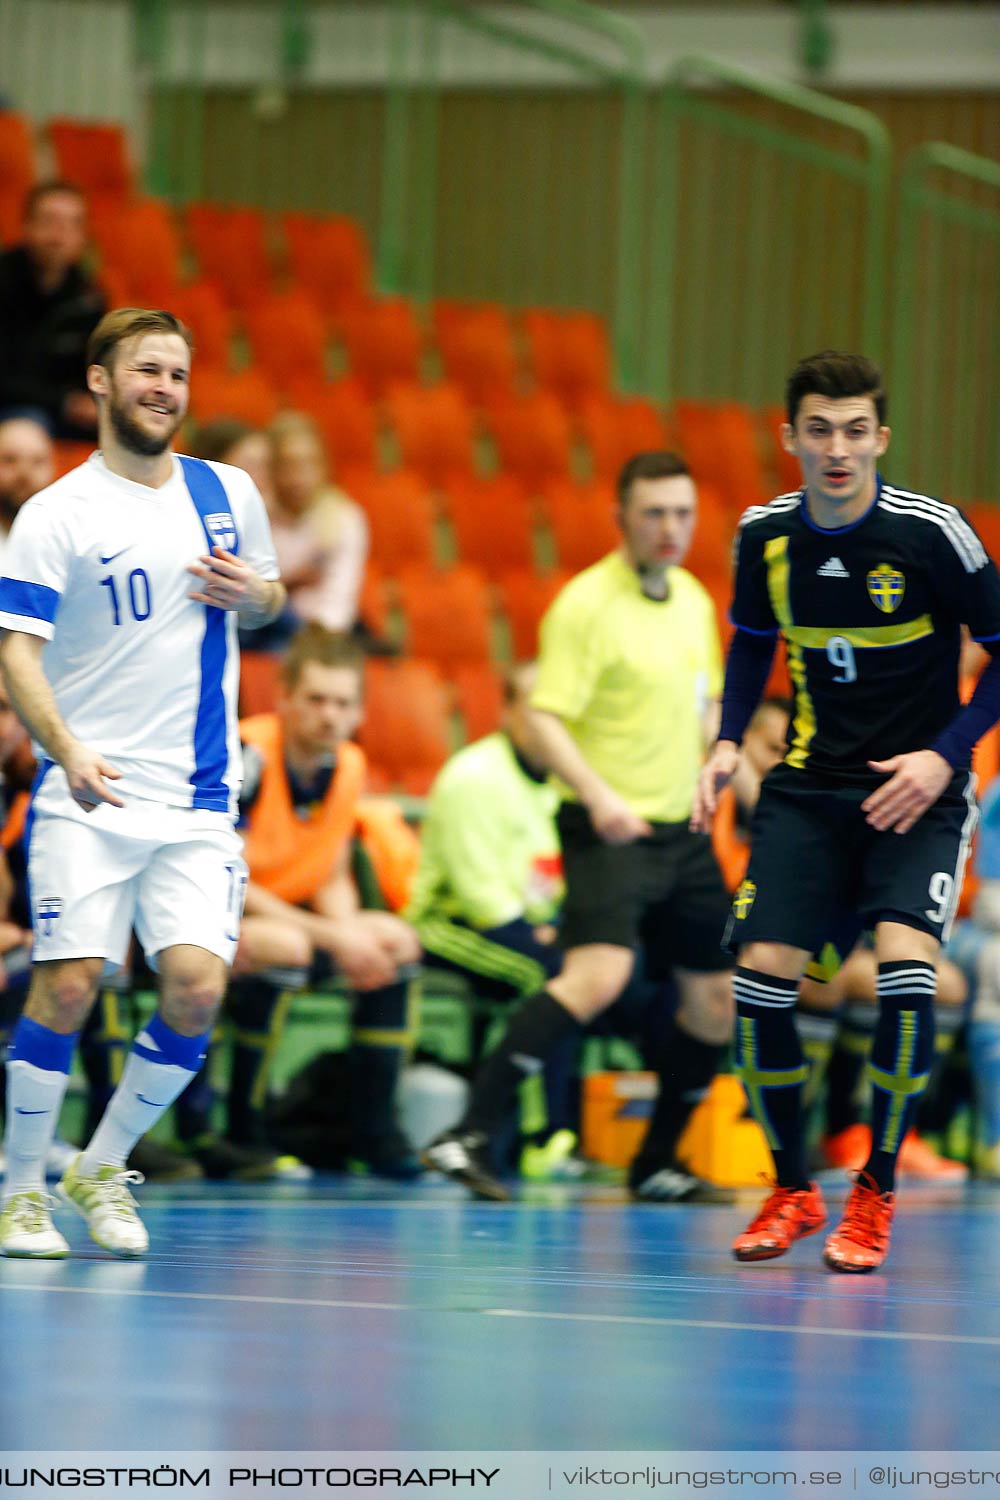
(175, 874)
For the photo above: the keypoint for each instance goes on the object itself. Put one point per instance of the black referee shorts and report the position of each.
(665, 892)
(814, 856)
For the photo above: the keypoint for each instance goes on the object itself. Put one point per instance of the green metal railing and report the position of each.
(945, 353)
(411, 221)
(770, 237)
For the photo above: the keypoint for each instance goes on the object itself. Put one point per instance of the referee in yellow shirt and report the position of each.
(630, 672)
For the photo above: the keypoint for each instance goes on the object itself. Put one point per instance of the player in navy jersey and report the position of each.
(122, 585)
(872, 810)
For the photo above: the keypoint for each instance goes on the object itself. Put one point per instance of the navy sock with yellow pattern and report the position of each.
(902, 1055)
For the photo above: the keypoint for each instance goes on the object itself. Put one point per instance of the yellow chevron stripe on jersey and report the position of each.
(816, 638)
(804, 722)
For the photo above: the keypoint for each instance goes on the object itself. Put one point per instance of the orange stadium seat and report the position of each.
(231, 247)
(373, 605)
(986, 519)
(288, 338)
(434, 427)
(447, 612)
(479, 695)
(328, 257)
(247, 396)
(17, 172)
(68, 454)
(711, 552)
(525, 598)
(784, 466)
(720, 442)
(582, 518)
(200, 306)
(384, 343)
(532, 437)
(493, 523)
(477, 350)
(406, 732)
(115, 287)
(614, 428)
(401, 515)
(347, 418)
(569, 353)
(140, 241)
(95, 157)
(260, 674)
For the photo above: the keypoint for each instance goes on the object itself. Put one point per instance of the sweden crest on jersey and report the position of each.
(222, 529)
(886, 587)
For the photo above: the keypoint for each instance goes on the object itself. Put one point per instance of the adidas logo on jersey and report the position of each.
(832, 568)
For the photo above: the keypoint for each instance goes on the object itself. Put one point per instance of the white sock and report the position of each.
(146, 1092)
(34, 1099)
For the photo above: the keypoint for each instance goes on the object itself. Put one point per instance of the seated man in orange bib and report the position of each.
(301, 816)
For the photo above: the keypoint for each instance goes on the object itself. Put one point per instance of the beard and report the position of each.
(135, 438)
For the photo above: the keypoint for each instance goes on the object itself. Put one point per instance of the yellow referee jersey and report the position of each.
(631, 677)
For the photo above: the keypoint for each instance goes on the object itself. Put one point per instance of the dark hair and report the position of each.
(130, 322)
(654, 465)
(216, 439)
(51, 186)
(331, 648)
(831, 373)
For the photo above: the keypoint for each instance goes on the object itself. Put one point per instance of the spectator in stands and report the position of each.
(27, 465)
(48, 309)
(489, 886)
(300, 812)
(320, 534)
(630, 671)
(228, 441)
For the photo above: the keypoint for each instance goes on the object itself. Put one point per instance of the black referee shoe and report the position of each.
(671, 1183)
(463, 1157)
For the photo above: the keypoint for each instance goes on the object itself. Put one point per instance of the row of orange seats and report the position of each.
(408, 731)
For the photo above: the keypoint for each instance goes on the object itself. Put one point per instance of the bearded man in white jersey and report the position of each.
(124, 582)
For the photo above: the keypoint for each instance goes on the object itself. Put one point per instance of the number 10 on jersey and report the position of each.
(140, 595)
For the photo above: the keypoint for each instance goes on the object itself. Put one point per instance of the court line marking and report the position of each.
(893, 1335)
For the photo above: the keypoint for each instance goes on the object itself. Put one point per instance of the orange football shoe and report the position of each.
(918, 1159)
(849, 1148)
(861, 1242)
(787, 1215)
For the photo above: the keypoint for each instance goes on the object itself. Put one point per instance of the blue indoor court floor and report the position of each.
(349, 1315)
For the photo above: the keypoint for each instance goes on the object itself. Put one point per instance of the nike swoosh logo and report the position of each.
(106, 560)
(30, 1111)
(156, 1103)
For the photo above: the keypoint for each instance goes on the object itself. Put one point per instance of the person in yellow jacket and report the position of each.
(302, 814)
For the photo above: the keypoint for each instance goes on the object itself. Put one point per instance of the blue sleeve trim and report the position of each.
(957, 742)
(36, 600)
(749, 630)
(747, 670)
(981, 640)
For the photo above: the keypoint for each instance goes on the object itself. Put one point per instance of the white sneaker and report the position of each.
(108, 1207)
(26, 1228)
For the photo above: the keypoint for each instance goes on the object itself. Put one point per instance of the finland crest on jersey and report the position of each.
(222, 529)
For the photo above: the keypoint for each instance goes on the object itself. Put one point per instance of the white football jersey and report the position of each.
(97, 565)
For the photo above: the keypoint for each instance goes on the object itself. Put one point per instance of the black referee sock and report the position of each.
(772, 1067)
(686, 1067)
(533, 1032)
(902, 1054)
